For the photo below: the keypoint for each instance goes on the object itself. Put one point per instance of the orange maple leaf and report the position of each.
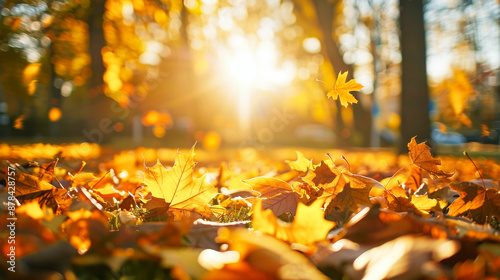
(475, 200)
(353, 195)
(341, 89)
(420, 155)
(346, 190)
(178, 187)
(414, 179)
(323, 176)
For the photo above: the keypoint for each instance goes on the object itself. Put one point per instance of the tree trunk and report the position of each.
(414, 94)
(96, 43)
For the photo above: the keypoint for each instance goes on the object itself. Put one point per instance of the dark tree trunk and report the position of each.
(414, 95)
(96, 43)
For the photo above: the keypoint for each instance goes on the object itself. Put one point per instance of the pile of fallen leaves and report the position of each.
(251, 218)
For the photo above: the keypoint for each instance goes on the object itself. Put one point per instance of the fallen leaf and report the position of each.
(398, 200)
(479, 202)
(265, 255)
(325, 177)
(178, 187)
(308, 226)
(414, 179)
(406, 257)
(353, 195)
(420, 155)
(341, 89)
(302, 164)
(277, 195)
(46, 171)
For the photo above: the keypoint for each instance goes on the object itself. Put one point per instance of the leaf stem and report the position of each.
(348, 165)
(480, 175)
(318, 80)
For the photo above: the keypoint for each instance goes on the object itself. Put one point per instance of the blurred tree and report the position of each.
(414, 92)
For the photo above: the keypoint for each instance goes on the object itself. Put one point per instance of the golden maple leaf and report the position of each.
(341, 89)
(308, 226)
(420, 155)
(178, 187)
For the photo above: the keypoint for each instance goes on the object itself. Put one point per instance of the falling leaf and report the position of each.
(479, 202)
(460, 90)
(302, 164)
(420, 155)
(341, 89)
(485, 131)
(18, 122)
(31, 72)
(277, 195)
(178, 187)
(308, 226)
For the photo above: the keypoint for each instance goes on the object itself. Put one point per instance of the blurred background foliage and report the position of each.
(243, 73)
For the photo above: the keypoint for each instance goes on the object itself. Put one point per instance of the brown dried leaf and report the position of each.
(420, 155)
(277, 195)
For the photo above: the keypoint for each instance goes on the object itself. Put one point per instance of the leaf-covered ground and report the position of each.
(84, 212)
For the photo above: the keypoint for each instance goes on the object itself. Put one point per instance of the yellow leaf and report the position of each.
(178, 187)
(460, 90)
(308, 226)
(302, 164)
(341, 89)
